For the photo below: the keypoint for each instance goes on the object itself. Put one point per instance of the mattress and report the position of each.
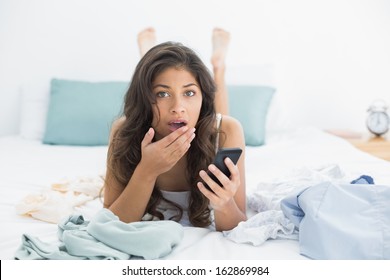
(28, 167)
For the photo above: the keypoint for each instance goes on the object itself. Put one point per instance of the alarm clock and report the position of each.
(378, 121)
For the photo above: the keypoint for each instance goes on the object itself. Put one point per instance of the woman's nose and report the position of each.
(177, 105)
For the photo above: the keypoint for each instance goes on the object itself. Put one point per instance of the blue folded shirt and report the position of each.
(341, 221)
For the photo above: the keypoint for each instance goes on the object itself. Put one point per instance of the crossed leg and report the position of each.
(220, 41)
(146, 40)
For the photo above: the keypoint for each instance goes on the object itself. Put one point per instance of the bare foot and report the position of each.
(146, 40)
(220, 39)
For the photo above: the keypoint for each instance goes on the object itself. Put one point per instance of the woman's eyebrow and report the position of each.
(167, 87)
(190, 84)
(161, 85)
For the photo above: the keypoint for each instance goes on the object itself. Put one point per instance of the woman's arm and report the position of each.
(128, 202)
(229, 202)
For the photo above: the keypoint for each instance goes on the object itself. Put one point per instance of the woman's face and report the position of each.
(178, 101)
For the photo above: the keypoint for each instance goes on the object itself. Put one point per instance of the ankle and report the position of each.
(219, 72)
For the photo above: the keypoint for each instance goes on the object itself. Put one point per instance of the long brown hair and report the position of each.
(125, 147)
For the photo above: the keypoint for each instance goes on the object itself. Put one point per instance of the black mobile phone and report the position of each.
(232, 153)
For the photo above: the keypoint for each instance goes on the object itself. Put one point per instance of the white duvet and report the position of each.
(28, 167)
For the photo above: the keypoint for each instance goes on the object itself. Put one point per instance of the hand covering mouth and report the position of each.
(176, 124)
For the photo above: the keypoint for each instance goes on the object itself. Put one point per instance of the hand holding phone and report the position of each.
(219, 161)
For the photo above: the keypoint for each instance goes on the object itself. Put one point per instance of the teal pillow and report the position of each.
(81, 113)
(249, 105)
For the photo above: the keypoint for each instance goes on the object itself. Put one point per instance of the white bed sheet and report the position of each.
(27, 166)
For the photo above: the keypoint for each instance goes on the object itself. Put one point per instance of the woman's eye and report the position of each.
(162, 94)
(190, 93)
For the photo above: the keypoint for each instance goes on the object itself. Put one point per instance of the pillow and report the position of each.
(81, 113)
(33, 110)
(249, 105)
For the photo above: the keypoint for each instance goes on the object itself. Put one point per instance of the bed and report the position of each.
(28, 166)
(59, 157)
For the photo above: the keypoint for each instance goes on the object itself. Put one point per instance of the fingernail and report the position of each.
(212, 167)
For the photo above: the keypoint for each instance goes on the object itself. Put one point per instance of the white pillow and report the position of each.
(278, 115)
(34, 106)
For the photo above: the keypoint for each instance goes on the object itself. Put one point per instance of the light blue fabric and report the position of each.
(249, 105)
(104, 237)
(147, 239)
(341, 221)
(81, 113)
(33, 248)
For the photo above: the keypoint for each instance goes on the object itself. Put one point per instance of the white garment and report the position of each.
(269, 194)
(50, 206)
(256, 230)
(270, 222)
(218, 117)
(59, 202)
(169, 211)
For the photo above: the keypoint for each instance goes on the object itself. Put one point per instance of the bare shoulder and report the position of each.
(116, 125)
(229, 123)
(233, 131)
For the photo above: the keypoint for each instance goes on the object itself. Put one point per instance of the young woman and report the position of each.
(160, 149)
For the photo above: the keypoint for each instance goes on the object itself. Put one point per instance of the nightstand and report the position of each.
(376, 146)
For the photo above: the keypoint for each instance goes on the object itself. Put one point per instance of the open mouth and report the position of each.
(174, 125)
